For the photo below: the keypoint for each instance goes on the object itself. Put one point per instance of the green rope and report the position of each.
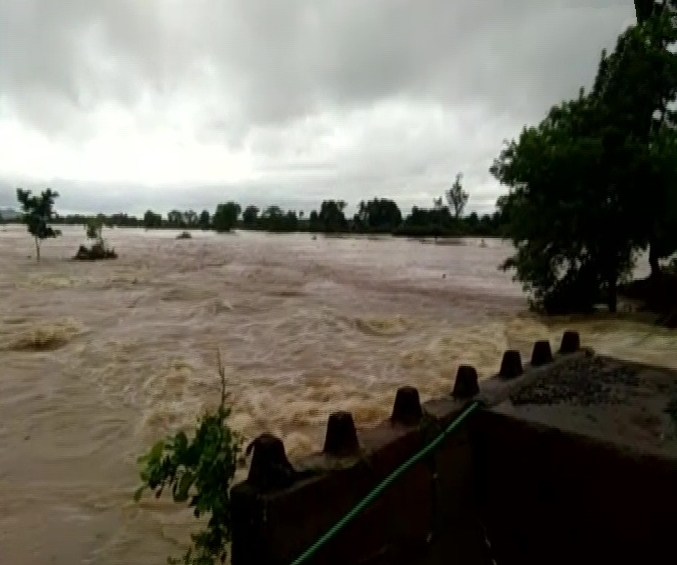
(385, 483)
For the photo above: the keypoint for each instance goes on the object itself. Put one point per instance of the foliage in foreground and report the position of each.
(199, 472)
(37, 214)
(596, 180)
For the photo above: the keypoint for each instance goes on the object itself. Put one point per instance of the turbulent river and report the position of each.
(98, 360)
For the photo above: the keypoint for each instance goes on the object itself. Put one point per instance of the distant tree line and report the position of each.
(444, 218)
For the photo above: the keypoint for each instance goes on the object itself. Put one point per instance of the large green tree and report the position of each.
(250, 216)
(377, 215)
(332, 217)
(175, 219)
(225, 217)
(636, 87)
(593, 181)
(38, 213)
(205, 220)
(152, 220)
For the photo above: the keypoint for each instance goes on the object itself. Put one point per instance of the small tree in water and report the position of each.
(94, 229)
(198, 471)
(457, 198)
(98, 250)
(38, 212)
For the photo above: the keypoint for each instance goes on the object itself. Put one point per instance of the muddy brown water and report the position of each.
(98, 360)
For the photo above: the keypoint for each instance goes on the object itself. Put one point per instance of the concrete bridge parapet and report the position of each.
(527, 479)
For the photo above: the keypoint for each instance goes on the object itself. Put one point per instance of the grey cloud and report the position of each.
(284, 60)
(263, 73)
(62, 58)
(349, 52)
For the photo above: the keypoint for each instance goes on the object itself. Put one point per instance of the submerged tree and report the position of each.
(98, 249)
(37, 213)
(94, 229)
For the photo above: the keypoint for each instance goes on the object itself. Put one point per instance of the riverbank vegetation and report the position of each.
(198, 471)
(596, 181)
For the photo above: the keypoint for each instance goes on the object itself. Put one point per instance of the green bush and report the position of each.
(199, 472)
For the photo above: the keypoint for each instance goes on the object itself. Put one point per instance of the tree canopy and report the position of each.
(596, 180)
(225, 217)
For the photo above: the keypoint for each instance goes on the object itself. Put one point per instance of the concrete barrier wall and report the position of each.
(552, 497)
(276, 525)
(531, 489)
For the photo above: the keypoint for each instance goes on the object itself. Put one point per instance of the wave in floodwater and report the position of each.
(101, 359)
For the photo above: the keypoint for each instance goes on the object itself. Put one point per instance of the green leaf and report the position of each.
(181, 441)
(187, 480)
(156, 451)
(138, 493)
(205, 467)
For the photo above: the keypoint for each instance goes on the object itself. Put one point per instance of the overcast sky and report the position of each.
(130, 104)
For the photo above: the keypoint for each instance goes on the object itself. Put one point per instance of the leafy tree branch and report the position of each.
(198, 471)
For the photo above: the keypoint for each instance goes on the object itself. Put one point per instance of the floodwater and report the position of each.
(98, 360)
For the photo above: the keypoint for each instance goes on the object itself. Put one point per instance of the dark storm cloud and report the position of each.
(286, 59)
(255, 70)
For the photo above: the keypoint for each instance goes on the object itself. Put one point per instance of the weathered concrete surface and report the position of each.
(552, 496)
(574, 461)
(604, 398)
(578, 463)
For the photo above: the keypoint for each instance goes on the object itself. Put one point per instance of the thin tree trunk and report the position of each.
(653, 261)
(612, 300)
(37, 249)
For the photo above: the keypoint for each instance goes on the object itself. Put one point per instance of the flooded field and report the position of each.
(98, 360)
